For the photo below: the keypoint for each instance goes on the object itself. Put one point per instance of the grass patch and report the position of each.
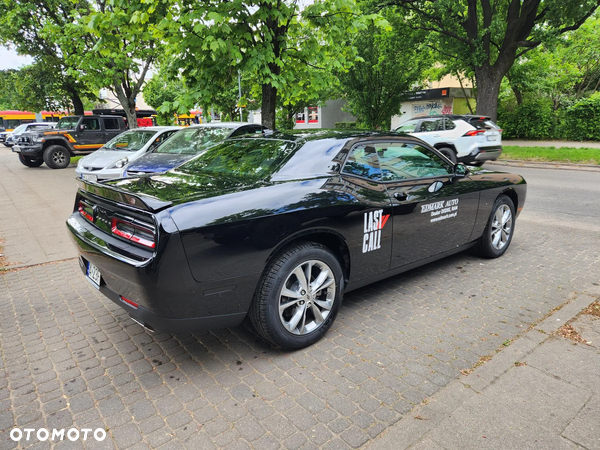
(74, 159)
(552, 154)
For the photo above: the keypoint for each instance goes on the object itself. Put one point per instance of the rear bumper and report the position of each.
(483, 154)
(165, 296)
(155, 322)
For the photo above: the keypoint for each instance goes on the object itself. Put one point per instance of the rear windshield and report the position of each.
(130, 141)
(193, 140)
(245, 158)
(483, 123)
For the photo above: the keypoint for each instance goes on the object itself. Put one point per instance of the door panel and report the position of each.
(433, 210)
(370, 238)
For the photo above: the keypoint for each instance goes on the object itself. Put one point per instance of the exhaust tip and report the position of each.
(147, 327)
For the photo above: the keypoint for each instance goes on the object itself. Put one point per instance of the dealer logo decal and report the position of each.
(374, 223)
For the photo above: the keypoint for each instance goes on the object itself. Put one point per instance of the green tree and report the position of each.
(115, 43)
(265, 39)
(487, 37)
(392, 61)
(34, 28)
(8, 78)
(161, 92)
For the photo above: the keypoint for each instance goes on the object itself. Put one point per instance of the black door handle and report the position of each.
(400, 196)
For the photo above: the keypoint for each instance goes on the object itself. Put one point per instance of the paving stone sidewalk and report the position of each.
(542, 392)
(71, 358)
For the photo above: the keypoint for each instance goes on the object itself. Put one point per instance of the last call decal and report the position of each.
(374, 223)
(441, 210)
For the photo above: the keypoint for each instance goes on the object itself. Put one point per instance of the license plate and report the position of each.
(89, 177)
(491, 138)
(16, 149)
(93, 274)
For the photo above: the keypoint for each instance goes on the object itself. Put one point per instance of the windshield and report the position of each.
(248, 158)
(193, 140)
(130, 141)
(67, 122)
(407, 127)
(19, 129)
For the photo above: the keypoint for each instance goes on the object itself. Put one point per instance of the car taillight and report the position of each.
(133, 232)
(86, 211)
(474, 132)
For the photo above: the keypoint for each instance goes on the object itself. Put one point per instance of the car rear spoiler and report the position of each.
(141, 201)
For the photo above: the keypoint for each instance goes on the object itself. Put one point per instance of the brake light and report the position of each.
(474, 132)
(133, 232)
(86, 211)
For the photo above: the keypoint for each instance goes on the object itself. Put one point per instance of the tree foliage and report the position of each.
(34, 28)
(92, 44)
(487, 37)
(161, 92)
(268, 40)
(392, 62)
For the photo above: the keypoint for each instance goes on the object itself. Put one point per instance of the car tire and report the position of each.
(499, 230)
(448, 153)
(311, 309)
(30, 162)
(57, 157)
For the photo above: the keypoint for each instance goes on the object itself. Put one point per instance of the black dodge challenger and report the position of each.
(279, 227)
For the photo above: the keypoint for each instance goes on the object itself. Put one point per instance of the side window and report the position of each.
(91, 124)
(402, 161)
(449, 124)
(408, 127)
(432, 125)
(111, 124)
(362, 161)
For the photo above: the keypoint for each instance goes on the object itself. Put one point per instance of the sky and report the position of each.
(10, 60)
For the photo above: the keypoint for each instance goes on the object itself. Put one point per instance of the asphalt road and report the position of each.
(569, 198)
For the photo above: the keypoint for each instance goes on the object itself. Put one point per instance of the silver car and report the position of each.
(11, 138)
(108, 161)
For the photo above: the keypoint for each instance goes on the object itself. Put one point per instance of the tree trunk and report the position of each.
(128, 105)
(77, 104)
(269, 100)
(488, 81)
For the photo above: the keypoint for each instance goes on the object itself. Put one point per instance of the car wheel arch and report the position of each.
(334, 241)
(439, 145)
(512, 194)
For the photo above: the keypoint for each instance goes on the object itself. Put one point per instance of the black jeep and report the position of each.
(73, 135)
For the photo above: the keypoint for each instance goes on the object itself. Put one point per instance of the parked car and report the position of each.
(74, 135)
(11, 138)
(279, 227)
(187, 144)
(461, 138)
(108, 162)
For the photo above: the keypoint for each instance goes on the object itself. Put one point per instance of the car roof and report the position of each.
(302, 136)
(157, 129)
(223, 125)
(452, 117)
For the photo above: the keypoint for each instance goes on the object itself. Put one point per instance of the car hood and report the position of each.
(104, 158)
(177, 187)
(158, 162)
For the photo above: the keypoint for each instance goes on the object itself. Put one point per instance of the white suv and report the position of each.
(467, 139)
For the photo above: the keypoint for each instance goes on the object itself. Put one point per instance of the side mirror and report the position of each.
(460, 170)
(82, 127)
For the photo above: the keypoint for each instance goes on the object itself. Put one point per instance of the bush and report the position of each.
(534, 119)
(346, 125)
(582, 120)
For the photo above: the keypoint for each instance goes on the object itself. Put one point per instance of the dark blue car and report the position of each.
(188, 143)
